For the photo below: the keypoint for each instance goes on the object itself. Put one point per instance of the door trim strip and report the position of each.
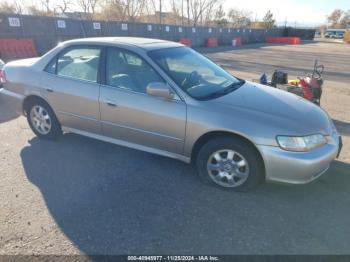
(128, 144)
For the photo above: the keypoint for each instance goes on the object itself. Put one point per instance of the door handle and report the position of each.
(110, 103)
(49, 90)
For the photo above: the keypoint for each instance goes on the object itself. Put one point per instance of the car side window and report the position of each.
(129, 71)
(80, 63)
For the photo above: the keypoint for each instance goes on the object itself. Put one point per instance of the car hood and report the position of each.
(278, 108)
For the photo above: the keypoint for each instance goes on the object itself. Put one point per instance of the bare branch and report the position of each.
(64, 5)
(12, 8)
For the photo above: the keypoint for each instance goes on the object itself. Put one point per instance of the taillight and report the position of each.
(2, 77)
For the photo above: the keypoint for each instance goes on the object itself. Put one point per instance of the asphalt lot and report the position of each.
(78, 195)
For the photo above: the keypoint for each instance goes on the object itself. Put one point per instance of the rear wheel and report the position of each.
(230, 163)
(42, 120)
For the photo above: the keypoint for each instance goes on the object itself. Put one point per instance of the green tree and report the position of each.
(268, 20)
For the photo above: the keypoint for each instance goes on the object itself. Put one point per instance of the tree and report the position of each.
(111, 10)
(268, 20)
(84, 5)
(339, 18)
(150, 7)
(177, 10)
(323, 29)
(202, 10)
(209, 13)
(11, 8)
(34, 10)
(335, 17)
(131, 9)
(220, 16)
(64, 5)
(88, 7)
(125, 10)
(47, 5)
(148, 12)
(93, 5)
(345, 20)
(239, 18)
(347, 37)
(134, 8)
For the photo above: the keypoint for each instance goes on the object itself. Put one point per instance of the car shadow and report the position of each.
(342, 127)
(5, 113)
(113, 200)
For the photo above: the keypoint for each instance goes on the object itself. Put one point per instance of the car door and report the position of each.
(72, 89)
(128, 113)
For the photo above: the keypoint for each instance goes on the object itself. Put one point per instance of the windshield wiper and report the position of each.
(234, 86)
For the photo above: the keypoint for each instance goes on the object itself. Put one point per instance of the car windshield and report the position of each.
(194, 73)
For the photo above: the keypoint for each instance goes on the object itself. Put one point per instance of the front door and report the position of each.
(128, 113)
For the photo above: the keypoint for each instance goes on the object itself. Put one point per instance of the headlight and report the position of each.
(301, 143)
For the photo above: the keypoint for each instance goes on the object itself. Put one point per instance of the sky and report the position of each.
(302, 12)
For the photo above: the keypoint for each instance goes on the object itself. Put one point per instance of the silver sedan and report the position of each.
(165, 98)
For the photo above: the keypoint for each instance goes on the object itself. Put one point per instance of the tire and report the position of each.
(38, 111)
(230, 163)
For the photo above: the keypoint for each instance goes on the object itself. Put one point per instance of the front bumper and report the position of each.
(299, 167)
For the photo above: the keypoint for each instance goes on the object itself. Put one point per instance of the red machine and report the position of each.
(312, 85)
(308, 87)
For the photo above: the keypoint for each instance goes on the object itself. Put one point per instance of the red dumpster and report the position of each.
(17, 48)
(283, 40)
(212, 42)
(186, 41)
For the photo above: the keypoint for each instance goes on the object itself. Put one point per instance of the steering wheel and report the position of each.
(191, 80)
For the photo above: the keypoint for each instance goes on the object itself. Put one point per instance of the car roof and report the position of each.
(143, 43)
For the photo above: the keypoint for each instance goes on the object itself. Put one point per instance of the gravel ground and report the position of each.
(81, 196)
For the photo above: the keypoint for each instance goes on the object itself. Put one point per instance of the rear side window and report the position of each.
(78, 62)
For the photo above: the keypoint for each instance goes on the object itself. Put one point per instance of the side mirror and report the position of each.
(159, 89)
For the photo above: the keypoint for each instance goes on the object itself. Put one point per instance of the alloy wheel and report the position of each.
(228, 168)
(40, 119)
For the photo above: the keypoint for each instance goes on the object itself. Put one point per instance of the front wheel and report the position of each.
(230, 163)
(42, 120)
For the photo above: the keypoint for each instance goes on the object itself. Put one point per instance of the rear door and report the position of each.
(72, 89)
(128, 113)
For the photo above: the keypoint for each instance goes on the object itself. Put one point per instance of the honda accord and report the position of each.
(165, 98)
